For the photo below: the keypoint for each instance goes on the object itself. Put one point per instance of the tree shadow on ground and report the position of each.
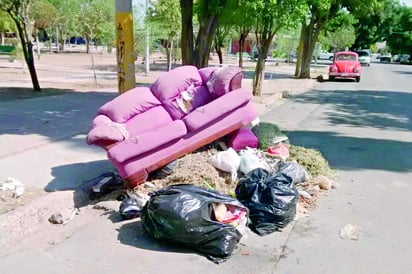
(249, 74)
(407, 73)
(353, 153)
(19, 93)
(364, 108)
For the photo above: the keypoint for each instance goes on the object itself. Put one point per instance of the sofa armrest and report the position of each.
(129, 104)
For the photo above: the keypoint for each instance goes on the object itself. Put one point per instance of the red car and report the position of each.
(345, 65)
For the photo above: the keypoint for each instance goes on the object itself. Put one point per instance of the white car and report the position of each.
(325, 55)
(364, 57)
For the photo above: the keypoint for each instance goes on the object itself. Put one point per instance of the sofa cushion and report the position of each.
(220, 80)
(217, 108)
(169, 86)
(147, 121)
(128, 104)
(147, 141)
(205, 73)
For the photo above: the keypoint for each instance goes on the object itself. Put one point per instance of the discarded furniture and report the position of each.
(186, 108)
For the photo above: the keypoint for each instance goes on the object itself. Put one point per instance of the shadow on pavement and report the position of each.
(365, 108)
(133, 234)
(351, 153)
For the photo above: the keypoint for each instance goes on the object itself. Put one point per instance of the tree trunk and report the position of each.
(186, 7)
(242, 42)
(38, 44)
(27, 47)
(168, 55)
(264, 40)
(204, 41)
(2, 38)
(299, 52)
(219, 54)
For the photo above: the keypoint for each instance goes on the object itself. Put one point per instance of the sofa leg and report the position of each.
(136, 179)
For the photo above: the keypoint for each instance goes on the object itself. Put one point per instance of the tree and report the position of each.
(165, 19)
(92, 18)
(339, 39)
(320, 13)
(400, 39)
(377, 25)
(208, 13)
(6, 25)
(270, 17)
(44, 15)
(19, 13)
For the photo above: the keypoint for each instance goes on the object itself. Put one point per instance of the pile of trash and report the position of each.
(209, 199)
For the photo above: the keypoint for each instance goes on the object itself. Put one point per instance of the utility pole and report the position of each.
(147, 52)
(125, 46)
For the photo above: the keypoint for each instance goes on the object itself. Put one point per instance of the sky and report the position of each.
(407, 2)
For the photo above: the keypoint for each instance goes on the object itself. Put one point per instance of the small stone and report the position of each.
(323, 182)
(56, 218)
(349, 232)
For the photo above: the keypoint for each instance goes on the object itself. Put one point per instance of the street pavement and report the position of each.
(42, 144)
(365, 131)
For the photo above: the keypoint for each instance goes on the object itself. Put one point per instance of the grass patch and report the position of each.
(266, 133)
(312, 160)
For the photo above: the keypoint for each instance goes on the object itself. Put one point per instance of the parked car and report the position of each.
(345, 65)
(405, 59)
(76, 40)
(325, 55)
(386, 57)
(364, 57)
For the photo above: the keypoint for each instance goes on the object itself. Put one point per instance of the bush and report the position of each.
(266, 133)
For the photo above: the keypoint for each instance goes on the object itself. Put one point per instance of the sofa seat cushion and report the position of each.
(128, 104)
(147, 141)
(217, 108)
(170, 85)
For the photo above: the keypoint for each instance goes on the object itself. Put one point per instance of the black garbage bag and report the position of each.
(271, 198)
(183, 215)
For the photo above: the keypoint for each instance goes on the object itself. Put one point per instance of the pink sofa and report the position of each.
(183, 110)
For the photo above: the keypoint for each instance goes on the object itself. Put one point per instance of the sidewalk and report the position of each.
(42, 144)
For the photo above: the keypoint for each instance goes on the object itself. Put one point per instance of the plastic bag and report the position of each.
(228, 161)
(295, 171)
(184, 215)
(250, 160)
(270, 197)
(243, 138)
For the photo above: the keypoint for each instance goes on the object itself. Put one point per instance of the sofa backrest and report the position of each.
(170, 86)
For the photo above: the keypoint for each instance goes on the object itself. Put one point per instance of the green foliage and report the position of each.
(43, 13)
(312, 160)
(266, 133)
(339, 39)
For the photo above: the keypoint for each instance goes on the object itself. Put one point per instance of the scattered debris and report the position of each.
(13, 185)
(349, 232)
(56, 218)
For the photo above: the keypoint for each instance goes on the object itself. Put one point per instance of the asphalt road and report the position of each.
(365, 131)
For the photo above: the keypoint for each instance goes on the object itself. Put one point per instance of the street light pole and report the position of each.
(147, 53)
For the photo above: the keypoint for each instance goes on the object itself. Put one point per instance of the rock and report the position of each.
(323, 182)
(349, 232)
(56, 218)
(313, 190)
(148, 185)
